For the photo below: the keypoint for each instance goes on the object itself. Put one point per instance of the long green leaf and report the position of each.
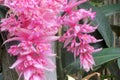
(101, 57)
(104, 26)
(106, 55)
(110, 9)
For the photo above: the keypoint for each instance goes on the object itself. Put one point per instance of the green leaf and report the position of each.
(104, 26)
(102, 57)
(106, 55)
(110, 9)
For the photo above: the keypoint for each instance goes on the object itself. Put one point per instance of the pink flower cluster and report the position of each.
(35, 22)
(77, 38)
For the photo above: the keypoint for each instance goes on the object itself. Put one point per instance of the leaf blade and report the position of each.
(110, 9)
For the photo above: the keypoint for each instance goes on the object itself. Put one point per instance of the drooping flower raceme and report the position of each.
(34, 24)
(77, 37)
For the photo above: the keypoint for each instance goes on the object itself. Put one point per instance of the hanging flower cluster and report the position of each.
(34, 24)
(77, 39)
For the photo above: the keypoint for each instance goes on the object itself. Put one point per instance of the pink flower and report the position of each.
(86, 28)
(87, 61)
(30, 74)
(75, 16)
(14, 50)
(72, 4)
(33, 64)
(1, 1)
(88, 13)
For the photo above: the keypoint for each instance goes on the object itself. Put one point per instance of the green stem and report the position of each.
(59, 60)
